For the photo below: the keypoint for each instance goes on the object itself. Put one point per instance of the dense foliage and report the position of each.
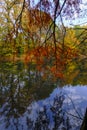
(30, 31)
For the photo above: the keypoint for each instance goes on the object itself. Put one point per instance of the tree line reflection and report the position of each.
(20, 86)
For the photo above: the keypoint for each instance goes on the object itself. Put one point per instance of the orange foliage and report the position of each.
(40, 55)
(38, 18)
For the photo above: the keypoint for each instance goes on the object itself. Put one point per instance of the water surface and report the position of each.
(30, 102)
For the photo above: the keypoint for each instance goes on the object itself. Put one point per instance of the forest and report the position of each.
(34, 32)
(31, 32)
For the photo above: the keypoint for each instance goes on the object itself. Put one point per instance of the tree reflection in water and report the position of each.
(52, 118)
(19, 88)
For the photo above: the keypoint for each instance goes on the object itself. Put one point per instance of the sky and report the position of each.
(78, 19)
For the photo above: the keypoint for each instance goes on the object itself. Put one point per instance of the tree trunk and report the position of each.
(84, 123)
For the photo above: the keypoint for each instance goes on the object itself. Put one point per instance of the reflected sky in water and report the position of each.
(29, 102)
(74, 99)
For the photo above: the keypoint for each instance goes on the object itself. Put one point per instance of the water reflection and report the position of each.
(60, 111)
(30, 102)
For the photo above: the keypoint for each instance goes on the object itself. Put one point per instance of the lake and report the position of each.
(29, 101)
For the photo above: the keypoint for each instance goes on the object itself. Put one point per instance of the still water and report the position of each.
(30, 102)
